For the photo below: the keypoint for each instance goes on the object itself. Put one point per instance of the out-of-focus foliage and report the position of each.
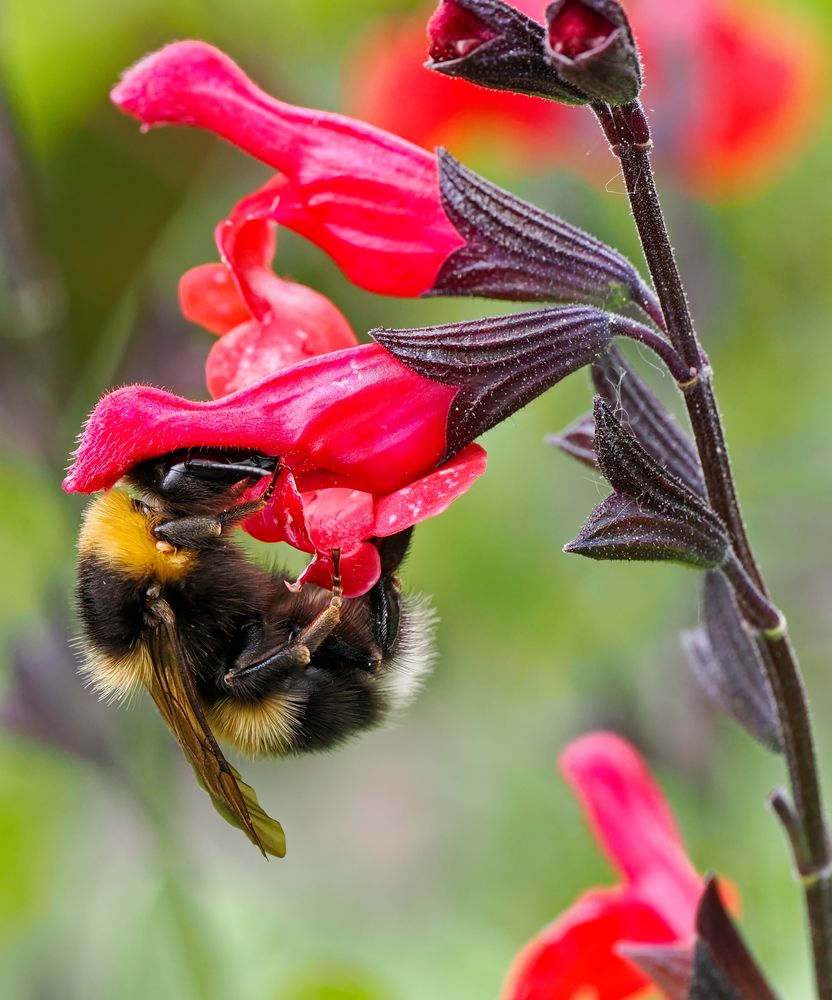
(422, 857)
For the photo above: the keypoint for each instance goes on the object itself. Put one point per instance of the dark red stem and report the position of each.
(628, 133)
(623, 326)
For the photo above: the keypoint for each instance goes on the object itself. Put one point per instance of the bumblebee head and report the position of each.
(117, 533)
(199, 481)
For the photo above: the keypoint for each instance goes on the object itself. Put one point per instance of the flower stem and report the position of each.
(627, 130)
(623, 326)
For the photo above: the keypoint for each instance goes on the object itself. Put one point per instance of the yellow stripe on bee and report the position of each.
(121, 536)
(117, 678)
(267, 726)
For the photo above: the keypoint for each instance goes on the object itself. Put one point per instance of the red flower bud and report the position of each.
(726, 661)
(591, 45)
(494, 45)
(651, 515)
(575, 29)
(455, 32)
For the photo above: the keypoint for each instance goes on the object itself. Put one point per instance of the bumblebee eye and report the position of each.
(202, 477)
(174, 478)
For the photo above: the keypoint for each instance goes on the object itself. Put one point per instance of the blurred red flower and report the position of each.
(731, 92)
(656, 903)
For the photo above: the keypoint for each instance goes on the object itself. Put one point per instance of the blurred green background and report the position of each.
(422, 857)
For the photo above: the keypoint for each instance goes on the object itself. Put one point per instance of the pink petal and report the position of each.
(360, 569)
(338, 517)
(284, 519)
(209, 296)
(317, 522)
(367, 197)
(576, 957)
(430, 495)
(246, 241)
(631, 819)
(247, 244)
(357, 413)
(287, 322)
(303, 324)
(249, 353)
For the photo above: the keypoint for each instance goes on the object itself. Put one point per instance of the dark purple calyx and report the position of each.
(591, 45)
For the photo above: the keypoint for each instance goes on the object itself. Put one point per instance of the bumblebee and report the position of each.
(169, 601)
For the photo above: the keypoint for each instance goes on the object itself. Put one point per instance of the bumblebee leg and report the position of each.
(384, 598)
(325, 621)
(187, 532)
(384, 608)
(193, 532)
(298, 652)
(250, 677)
(239, 513)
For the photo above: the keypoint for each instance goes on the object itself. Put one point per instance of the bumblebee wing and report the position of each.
(174, 692)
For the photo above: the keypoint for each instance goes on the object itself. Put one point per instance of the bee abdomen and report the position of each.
(111, 607)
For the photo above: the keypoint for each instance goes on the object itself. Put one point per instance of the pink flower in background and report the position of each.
(731, 92)
(577, 956)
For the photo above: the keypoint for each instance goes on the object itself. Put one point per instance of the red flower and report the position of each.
(318, 521)
(656, 903)
(731, 93)
(369, 198)
(397, 219)
(359, 433)
(265, 323)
